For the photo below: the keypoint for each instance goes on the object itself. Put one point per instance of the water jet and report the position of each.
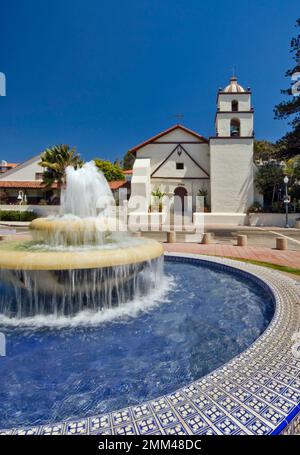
(81, 259)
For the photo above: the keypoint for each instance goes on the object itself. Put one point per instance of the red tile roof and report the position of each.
(9, 164)
(163, 133)
(7, 167)
(118, 184)
(38, 184)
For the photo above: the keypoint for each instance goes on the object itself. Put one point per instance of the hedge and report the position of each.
(17, 215)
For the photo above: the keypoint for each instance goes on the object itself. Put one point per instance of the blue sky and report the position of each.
(105, 75)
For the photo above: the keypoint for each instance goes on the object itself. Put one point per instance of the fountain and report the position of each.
(93, 325)
(80, 260)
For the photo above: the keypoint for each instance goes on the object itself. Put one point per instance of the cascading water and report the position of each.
(88, 213)
(87, 193)
(79, 261)
(67, 292)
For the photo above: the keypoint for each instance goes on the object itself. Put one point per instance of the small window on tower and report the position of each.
(179, 165)
(234, 106)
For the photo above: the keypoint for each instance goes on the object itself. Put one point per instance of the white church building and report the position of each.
(182, 162)
(177, 162)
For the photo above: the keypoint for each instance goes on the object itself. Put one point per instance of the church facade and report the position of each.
(182, 162)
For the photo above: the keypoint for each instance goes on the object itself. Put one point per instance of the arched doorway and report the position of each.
(180, 192)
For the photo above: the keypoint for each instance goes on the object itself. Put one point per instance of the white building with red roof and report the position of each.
(182, 162)
(25, 182)
(5, 166)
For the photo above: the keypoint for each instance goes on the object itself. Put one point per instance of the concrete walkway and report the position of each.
(256, 251)
(286, 258)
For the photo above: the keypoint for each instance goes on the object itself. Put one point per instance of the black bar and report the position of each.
(97, 444)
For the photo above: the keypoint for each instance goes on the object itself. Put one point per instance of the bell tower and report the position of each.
(231, 151)
(234, 115)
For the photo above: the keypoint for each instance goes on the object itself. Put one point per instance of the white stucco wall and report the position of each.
(24, 172)
(210, 220)
(225, 100)
(231, 175)
(272, 219)
(158, 152)
(223, 123)
(140, 187)
(192, 187)
(191, 170)
(167, 177)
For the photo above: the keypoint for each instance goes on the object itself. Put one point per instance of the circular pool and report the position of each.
(62, 368)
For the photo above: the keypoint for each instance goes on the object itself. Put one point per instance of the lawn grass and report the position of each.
(281, 268)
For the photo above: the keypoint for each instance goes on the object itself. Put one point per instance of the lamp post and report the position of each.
(286, 201)
(20, 197)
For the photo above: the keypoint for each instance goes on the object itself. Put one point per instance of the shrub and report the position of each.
(17, 215)
(28, 216)
(255, 208)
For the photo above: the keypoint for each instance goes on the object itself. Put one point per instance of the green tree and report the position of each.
(292, 169)
(128, 161)
(55, 160)
(118, 162)
(268, 179)
(290, 109)
(3, 197)
(111, 171)
(264, 150)
(289, 145)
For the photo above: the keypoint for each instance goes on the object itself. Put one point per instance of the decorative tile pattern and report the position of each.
(242, 415)
(196, 424)
(52, 430)
(167, 418)
(78, 427)
(146, 426)
(121, 417)
(258, 427)
(176, 430)
(125, 430)
(227, 426)
(97, 424)
(141, 411)
(257, 392)
(27, 431)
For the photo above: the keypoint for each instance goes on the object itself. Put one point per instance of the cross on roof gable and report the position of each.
(164, 133)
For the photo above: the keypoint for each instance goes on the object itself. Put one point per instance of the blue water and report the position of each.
(206, 318)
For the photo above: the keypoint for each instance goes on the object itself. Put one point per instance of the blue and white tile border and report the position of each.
(257, 392)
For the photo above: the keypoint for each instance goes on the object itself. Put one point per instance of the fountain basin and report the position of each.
(185, 333)
(143, 251)
(243, 376)
(72, 230)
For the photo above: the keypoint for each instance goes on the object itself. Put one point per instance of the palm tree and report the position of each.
(158, 197)
(55, 160)
(202, 192)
